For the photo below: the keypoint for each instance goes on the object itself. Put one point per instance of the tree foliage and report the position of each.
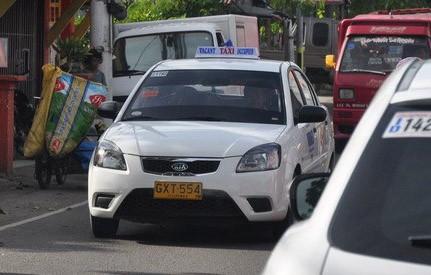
(366, 6)
(149, 10)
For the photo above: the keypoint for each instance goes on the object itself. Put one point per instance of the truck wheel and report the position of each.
(43, 171)
(104, 228)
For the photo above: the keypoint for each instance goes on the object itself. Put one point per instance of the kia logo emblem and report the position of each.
(179, 167)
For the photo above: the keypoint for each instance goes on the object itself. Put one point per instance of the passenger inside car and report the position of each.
(192, 97)
(260, 97)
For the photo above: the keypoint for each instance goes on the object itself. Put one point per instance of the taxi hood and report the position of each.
(190, 139)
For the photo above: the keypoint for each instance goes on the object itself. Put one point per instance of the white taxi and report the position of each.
(214, 140)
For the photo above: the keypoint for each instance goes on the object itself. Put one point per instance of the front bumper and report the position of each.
(345, 121)
(227, 195)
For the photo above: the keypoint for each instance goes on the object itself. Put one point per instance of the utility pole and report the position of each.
(288, 40)
(299, 39)
(101, 37)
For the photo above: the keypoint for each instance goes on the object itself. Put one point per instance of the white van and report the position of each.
(140, 45)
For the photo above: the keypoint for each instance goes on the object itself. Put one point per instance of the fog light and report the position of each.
(260, 204)
(103, 201)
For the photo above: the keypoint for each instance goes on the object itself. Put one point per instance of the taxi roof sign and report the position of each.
(227, 52)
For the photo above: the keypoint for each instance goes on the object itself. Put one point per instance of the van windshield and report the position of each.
(381, 53)
(136, 54)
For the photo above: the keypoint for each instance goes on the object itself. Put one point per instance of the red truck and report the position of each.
(369, 48)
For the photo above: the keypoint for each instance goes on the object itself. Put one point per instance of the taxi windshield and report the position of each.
(209, 95)
(381, 53)
(387, 199)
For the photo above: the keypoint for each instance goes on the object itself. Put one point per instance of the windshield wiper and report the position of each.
(134, 118)
(204, 118)
(364, 71)
(128, 72)
(420, 241)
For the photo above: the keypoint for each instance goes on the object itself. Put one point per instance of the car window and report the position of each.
(309, 99)
(218, 95)
(387, 199)
(295, 95)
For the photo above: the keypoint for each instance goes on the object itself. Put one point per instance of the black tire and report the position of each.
(43, 170)
(61, 172)
(278, 228)
(104, 228)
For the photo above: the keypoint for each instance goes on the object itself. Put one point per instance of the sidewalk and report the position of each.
(22, 177)
(21, 198)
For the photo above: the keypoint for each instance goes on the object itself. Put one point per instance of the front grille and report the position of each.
(140, 206)
(163, 166)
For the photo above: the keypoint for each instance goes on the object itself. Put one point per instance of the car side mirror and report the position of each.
(330, 61)
(108, 109)
(305, 192)
(309, 113)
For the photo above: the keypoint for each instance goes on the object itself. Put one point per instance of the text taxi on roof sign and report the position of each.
(233, 52)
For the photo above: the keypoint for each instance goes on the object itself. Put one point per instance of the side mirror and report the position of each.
(330, 61)
(309, 113)
(305, 192)
(108, 109)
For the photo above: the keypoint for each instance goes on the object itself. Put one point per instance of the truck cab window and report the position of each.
(320, 34)
(380, 53)
(220, 39)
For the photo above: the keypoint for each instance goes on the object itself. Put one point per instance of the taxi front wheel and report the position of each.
(104, 228)
(278, 228)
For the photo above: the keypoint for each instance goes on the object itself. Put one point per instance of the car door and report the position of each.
(320, 129)
(305, 138)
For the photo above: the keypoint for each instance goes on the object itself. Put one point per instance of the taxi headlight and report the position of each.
(108, 155)
(260, 158)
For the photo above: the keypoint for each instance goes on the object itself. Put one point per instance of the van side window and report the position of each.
(320, 34)
(220, 39)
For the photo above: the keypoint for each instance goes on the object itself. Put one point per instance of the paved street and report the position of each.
(48, 232)
(50, 228)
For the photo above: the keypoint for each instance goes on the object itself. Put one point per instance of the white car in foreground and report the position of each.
(374, 216)
(195, 143)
